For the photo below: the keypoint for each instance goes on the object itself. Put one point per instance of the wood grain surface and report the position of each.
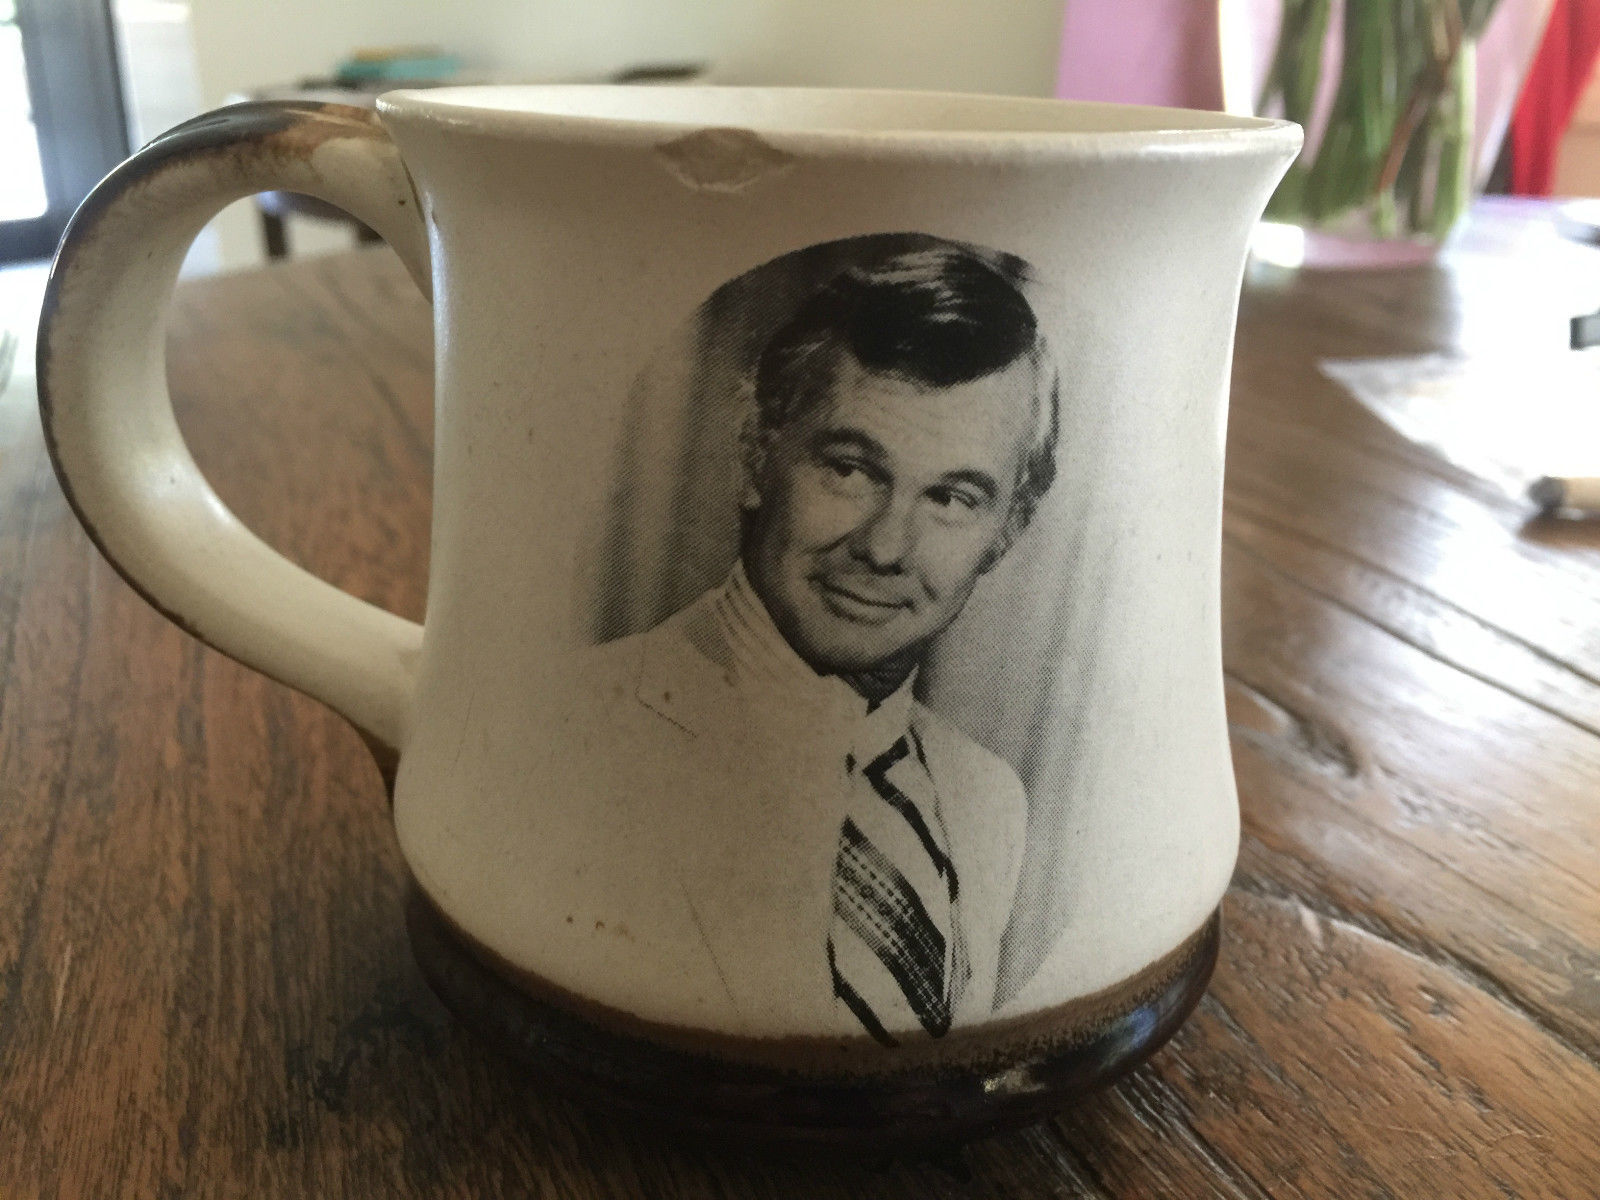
(205, 988)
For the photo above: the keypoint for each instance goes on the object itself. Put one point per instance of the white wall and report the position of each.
(958, 45)
(969, 45)
(161, 88)
(941, 45)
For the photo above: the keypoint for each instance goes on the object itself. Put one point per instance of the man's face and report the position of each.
(877, 509)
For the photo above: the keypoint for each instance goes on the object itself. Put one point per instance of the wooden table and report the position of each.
(205, 987)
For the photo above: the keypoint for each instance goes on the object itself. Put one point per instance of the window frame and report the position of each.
(70, 53)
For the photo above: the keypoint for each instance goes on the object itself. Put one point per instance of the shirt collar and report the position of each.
(761, 656)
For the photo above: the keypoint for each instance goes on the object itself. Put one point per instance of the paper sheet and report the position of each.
(1507, 419)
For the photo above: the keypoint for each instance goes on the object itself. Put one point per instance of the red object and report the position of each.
(1556, 80)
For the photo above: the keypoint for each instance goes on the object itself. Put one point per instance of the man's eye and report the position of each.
(956, 499)
(851, 472)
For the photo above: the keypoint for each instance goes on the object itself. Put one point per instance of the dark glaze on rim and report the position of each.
(1005, 1074)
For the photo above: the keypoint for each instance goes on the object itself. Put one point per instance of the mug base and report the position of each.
(706, 1084)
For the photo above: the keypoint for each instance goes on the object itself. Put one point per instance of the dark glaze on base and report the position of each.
(1006, 1073)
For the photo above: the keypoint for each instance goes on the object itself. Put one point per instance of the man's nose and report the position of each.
(884, 541)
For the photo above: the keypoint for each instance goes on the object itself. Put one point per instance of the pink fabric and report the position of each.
(1141, 52)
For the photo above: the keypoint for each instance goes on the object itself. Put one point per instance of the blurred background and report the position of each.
(83, 81)
(1417, 113)
(164, 60)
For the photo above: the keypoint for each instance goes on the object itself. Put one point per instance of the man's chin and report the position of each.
(836, 653)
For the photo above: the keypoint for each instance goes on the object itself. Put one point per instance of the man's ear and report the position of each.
(753, 458)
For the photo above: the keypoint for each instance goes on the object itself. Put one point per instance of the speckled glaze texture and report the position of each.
(817, 727)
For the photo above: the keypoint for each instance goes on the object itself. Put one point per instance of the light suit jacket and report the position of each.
(723, 799)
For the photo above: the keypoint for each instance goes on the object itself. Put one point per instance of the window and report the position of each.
(61, 117)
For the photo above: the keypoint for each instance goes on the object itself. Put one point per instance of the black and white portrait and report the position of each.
(876, 428)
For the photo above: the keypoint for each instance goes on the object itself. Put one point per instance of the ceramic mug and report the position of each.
(817, 727)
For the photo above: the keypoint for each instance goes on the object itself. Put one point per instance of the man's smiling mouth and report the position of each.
(854, 606)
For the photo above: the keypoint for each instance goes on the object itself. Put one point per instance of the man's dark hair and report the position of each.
(934, 318)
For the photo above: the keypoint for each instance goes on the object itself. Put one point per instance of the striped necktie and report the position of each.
(894, 948)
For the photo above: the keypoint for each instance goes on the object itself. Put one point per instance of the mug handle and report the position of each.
(108, 421)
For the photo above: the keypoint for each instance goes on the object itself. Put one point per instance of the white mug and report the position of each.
(817, 726)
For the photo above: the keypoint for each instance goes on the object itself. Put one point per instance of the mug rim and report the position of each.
(1038, 126)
